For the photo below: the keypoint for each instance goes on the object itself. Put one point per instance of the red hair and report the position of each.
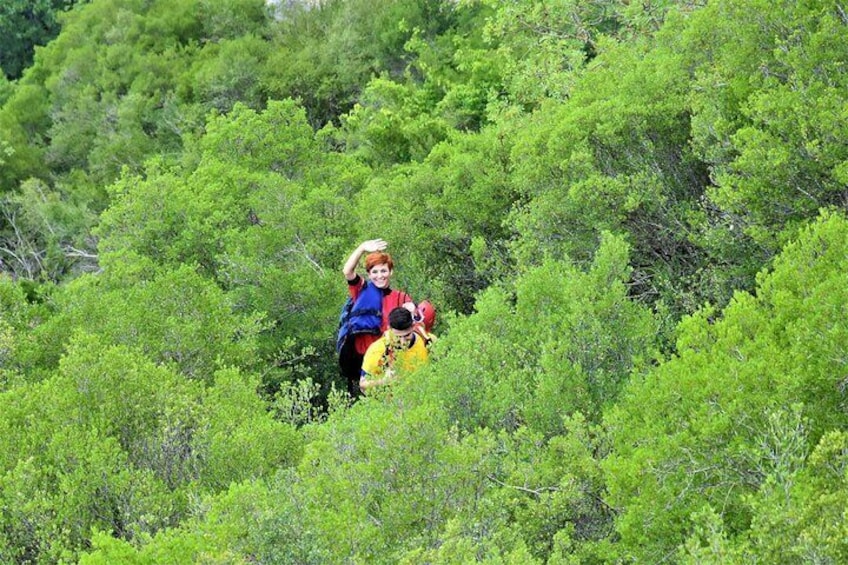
(378, 258)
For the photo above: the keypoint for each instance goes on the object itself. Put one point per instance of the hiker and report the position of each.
(404, 346)
(371, 302)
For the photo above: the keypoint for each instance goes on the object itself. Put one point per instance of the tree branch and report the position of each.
(536, 492)
(305, 252)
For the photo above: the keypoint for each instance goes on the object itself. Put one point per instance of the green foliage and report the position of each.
(229, 19)
(125, 80)
(23, 121)
(19, 313)
(260, 213)
(86, 458)
(449, 82)
(25, 24)
(122, 82)
(174, 317)
(103, 90)
(768, 106)
(7, 349)
(295, 402)
(711, 426)
(227, 73)
(432, 213)
(262, 184)
(251, 520)
(45, 231)
(6, 89)
(616, 157)
(389, 124)
(545, 496)
(797, 516)
(323, 56)
(13, 303)
(564, 180)
(565, 342)
(543, 46)
(239, 439)
(388, 482)
(115, 442)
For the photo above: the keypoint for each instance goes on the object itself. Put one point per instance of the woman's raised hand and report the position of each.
(373, 245)
(370, 246)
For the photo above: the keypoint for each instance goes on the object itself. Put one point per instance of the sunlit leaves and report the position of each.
(711, 426)
(566, 342)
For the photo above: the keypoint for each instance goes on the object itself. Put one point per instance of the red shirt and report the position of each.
(391, 300)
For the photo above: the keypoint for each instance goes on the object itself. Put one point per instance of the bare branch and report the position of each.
(71, 251)
(535, 492)
(305, 252)
(842, 15)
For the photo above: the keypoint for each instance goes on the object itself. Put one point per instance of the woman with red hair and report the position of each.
(373, 299)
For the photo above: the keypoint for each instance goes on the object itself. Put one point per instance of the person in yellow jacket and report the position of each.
(403, 347)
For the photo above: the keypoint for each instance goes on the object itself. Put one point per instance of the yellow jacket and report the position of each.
(387, 356)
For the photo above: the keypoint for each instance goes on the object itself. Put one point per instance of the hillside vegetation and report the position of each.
(631, 217)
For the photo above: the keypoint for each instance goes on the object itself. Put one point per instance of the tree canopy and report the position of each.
(630, 217)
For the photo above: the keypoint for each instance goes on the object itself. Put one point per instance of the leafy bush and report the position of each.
(713, 425)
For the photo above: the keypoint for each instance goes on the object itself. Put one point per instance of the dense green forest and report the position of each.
(631, 217)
